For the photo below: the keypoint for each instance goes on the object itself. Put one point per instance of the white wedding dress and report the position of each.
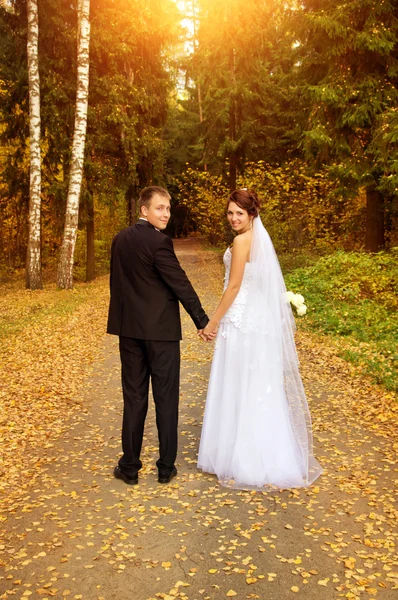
(257, 429)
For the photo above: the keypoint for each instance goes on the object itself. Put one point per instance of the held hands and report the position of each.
(209, 333)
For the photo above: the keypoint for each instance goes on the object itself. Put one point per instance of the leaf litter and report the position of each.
(70, 530)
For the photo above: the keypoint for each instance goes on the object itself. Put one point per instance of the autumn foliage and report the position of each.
(301, 209)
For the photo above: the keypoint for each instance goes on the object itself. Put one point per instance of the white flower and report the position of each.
(301, 310)
(298, 300)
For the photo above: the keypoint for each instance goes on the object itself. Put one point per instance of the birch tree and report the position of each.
(33, 259)
(65, 267)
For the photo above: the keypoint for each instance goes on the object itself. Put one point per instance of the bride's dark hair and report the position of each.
(246, 199)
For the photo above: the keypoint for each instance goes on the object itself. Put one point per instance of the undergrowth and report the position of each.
(352, 297)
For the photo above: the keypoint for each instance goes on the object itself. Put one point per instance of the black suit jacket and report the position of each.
(147, 282)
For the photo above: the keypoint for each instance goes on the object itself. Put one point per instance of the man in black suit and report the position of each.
(147, 283)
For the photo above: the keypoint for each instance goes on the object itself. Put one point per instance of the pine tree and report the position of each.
(242, 63)
(14, 132)
(348, 70)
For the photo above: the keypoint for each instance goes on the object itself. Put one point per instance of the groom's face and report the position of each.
(158, 212)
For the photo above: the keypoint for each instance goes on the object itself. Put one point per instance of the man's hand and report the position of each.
(209, 333)
(207, 337)
(202, 335)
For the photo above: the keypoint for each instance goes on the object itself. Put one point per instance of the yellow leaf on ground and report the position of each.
(350, 562)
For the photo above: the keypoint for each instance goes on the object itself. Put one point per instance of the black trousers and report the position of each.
(159, 361)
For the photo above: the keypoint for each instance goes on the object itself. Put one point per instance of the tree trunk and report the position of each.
(33, 255)
(233, 159)
(200, 103)
(374, 220)
(195, 43)
(232, 172)
(65, 267)
(133, 211)
(90, 258)
(131, 204)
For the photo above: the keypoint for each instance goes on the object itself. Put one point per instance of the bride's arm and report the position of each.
(240, 253)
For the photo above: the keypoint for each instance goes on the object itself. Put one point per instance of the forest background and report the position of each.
(295, 99)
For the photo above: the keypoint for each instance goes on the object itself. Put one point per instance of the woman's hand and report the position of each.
(210, 331)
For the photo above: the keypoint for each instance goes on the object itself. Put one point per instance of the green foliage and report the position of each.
(353, 296)
(323, 72)
(109, 216)
(262, 77)
(181, 133)
(385, 148)
(129, 87)
(347, 68)
(237, 79)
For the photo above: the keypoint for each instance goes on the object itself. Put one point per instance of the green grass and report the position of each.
(353, 297)
(297, 260)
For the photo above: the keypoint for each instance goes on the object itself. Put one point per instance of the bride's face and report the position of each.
(238, 218)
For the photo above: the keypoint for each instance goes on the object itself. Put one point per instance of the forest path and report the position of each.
(76, 532)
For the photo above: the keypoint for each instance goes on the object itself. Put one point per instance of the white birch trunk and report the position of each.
(65, 267)
(33, 259)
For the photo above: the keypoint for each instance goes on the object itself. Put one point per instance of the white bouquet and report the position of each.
(297, 302)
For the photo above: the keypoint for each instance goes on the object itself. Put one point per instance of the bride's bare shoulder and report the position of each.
(243, 240)
(241, 246)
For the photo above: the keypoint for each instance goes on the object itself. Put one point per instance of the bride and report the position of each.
(257, 427)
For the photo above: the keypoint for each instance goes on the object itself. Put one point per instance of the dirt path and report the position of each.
(78, 533)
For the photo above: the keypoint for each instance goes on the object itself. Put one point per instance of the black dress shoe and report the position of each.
(167, 477)
(120, 475)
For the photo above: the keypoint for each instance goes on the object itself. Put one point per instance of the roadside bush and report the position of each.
(352, 296)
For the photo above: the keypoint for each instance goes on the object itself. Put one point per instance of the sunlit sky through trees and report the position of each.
(189, 11)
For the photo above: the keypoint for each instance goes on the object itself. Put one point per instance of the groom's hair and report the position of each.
(147, 194)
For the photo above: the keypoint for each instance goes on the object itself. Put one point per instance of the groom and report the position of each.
(147, 282)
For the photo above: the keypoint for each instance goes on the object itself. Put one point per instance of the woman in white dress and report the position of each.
(257, 427)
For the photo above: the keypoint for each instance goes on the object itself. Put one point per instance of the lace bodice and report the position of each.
(236, 312)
